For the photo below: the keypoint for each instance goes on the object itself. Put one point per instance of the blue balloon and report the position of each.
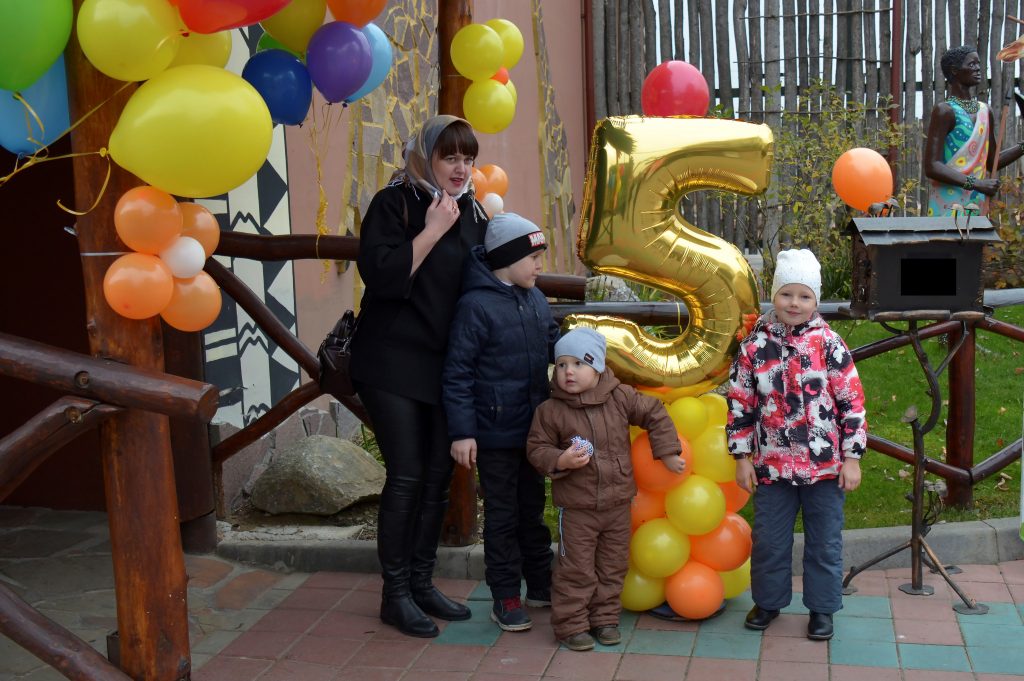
(283, 82)
(380, 48)
(48, 97)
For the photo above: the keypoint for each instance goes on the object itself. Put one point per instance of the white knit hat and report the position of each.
(586, 345)
(797, 266)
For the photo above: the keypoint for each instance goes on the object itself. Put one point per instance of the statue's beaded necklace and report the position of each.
(968, 105)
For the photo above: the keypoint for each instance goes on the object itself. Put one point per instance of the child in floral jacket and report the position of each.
(797, 429)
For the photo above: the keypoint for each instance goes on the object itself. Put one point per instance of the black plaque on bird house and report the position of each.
(903, 264)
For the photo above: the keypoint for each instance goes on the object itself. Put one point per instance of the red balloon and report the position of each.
(724, 548)
(651, 473)
(211, 16)
(674, 88)
(695, 591)
(356, 12)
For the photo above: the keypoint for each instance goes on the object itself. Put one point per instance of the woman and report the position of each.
(415, 235)
(959, 152)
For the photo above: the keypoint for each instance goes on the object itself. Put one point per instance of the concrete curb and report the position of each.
(971, 543)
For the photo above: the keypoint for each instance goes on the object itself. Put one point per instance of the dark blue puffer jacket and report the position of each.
(496, 368)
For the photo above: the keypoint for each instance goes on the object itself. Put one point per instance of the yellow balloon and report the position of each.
(193, 131)
(711, 456)
(640, 592)
(511, 41)
(634, 432)
(488, 106)
(696, 506)
(294, 25)
(212, 49)
(129, 39)
(640, 168)
(512, 89)
(718, 408)
(690, 416)
(477, 52)
(658, 549)
(736, 581)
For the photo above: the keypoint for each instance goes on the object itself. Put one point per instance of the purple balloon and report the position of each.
(339, 60)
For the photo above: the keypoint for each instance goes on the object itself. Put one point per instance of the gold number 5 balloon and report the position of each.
(639, 170)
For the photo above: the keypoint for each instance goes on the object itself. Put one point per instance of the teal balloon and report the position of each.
(33, 33)
(268, 42)
(48, 97)
(380, 49)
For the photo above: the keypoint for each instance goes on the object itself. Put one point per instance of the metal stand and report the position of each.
(921, 552)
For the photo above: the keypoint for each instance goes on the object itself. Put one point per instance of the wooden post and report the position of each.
(149, 569)
(960, 418)
(460, 526)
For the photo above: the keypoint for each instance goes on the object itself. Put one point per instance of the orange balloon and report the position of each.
(735, 497)
(651, 473)
(862, 177)
(138, 285)
(646, 506)
(501, 76)
(497, 180)
(147, 219)
(356, 12)
(199, 223)
(695, 591)
(194, 304)
(480, 186)
(724, 548)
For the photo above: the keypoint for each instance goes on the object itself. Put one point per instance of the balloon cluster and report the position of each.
(862, 177)
(674, 88)
(484, 53)
(165, 274)
(490, 183)
(689, 547)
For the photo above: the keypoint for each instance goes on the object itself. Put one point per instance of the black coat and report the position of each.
(404, 320)
(496, 371)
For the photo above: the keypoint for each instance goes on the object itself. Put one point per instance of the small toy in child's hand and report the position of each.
(580, 443)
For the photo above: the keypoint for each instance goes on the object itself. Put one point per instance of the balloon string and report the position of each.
(103, 190)
(319, 137)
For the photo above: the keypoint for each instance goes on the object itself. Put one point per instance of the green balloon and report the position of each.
(268, 42)
(33, 33)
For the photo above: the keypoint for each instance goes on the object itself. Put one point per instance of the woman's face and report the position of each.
(452, 172)
(969, 72)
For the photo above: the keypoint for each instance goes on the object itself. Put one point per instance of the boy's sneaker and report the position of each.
(539, 598)
(607, 636)
(510, 615)
(578, 642)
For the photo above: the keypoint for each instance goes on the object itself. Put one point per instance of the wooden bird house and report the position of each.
(924, 264)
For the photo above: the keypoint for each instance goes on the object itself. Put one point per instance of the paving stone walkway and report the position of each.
(251, 624)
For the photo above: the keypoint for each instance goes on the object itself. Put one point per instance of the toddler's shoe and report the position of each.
(607, 636)
(578, 642)
(538, 598)
(819, 628)
(758, 618)
(510, 615)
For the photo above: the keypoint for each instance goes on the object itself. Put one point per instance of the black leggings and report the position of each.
(413, 440)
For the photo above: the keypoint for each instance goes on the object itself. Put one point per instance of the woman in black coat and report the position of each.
(414, 239)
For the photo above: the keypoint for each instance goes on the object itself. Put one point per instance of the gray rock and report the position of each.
(348, 426)
(319, 475)
(290, 431)
(237, 471)
(610, 289)
(317, 422)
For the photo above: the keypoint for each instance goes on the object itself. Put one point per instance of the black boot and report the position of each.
(397, 607)
(424, 593)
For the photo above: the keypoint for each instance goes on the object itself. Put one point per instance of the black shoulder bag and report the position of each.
(335, 355)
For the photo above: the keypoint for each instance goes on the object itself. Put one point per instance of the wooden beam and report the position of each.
(52, 643)
(105, 380)
(25, 449)
(149, 569)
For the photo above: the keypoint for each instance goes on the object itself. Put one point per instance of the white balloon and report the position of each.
(493, 204)
(185, 257)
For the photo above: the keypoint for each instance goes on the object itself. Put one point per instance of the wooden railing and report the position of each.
(97, 390)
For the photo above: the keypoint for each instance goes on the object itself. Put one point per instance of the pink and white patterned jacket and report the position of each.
(796, 405)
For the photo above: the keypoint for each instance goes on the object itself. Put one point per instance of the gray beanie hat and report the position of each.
(586, 345)
(797, 266)
(510, 238)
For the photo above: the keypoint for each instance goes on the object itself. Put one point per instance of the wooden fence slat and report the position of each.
(827, 46)
(789, 53)
(927, 62)
(857, 53)
(885, 33)
(707, 45)
(693, 21)
(954, 18)
(601, 80)
(621, 64)
(871, 52)
(739, 29)
(971, 19)
(650, 37)
(724, 55)
(802, 45)
(665, 25)
(941, 44)
(636, 57)
(754, 42)
(842, 47)
(998, 13)
(984, 19)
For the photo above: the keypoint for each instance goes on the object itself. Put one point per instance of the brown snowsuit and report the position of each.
(594, 500)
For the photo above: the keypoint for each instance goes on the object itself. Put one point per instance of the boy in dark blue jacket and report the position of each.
(495, 375)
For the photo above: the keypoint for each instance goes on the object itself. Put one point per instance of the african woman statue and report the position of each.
(959, 152)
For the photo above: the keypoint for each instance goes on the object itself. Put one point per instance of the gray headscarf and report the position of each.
(418, 153)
